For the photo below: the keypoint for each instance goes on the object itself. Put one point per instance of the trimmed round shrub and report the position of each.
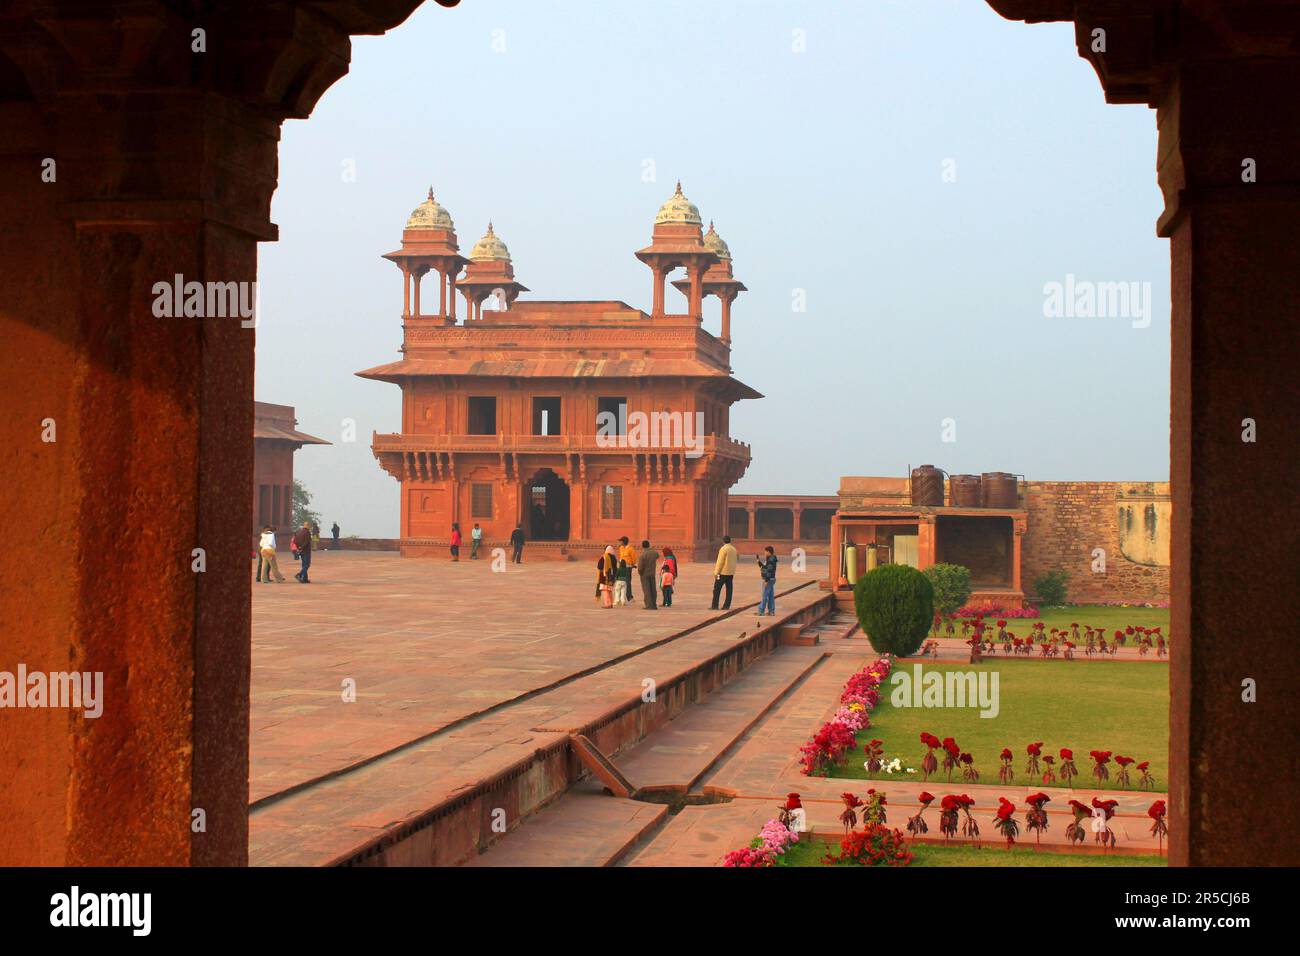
(951, 586)
(895, 605)
(1052, 588)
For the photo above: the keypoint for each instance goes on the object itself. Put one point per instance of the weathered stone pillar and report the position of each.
(1235, 341)
(1222, 77)
(132, 155)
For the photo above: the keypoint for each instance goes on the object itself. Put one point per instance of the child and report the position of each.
(622, 578)
(666, 583)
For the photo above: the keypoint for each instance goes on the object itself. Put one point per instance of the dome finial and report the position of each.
(678, 209)
(430, 192)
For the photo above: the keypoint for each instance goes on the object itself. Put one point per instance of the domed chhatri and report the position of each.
(430, 215)
(679, 209)
(713, 242)
(488, 248)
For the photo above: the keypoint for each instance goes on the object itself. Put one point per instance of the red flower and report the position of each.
(1107, 805)
(792, 802)
(1036, 800)
(1119, 634)
(930, 740)
(1123, 761)
(1049, 759)
(850, 800)
(1034, 749)
(1006, 753)
(1156, 810)
(1143, 765)
(1101, 756)
(1067, 753)
(926, 798)
(950, 802)
(1002, 623)
(950, 745)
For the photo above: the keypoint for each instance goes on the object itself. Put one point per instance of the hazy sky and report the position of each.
(823, 168)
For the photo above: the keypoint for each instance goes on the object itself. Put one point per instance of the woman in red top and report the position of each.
(455, 542)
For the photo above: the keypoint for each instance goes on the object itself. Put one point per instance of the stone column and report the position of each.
(129, 445)
(1222, 78)
(753, 520)
(1235, 342)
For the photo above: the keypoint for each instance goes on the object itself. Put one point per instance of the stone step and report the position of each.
(576, 829)
(433, 802)
(678, 755)
(585, 827)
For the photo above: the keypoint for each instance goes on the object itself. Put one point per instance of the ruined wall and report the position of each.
(1129, 521)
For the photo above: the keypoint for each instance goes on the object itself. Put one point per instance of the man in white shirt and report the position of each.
(268, 567)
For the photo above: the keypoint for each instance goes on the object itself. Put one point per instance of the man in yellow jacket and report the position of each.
(627, 552)
(724, 572)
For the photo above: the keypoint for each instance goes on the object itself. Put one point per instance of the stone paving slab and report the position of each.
(429, 643)
(337, 814)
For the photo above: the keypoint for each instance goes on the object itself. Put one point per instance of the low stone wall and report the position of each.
(458, 829)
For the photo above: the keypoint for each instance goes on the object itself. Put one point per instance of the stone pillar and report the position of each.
(416, 275)
(129, 444)
(726, 318)
(406, 293)
(753, 520)
(796, 530)
(927, 543)
(1222, 78)
(1235, 260)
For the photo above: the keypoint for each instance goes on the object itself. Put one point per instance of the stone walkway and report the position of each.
(451, 689)
(430, 643)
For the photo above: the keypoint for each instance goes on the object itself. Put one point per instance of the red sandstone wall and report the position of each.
(1067, 520)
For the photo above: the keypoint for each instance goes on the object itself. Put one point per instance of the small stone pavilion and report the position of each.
(879, 518)
(580, 421)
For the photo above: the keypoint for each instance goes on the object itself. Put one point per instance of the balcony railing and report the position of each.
(555, 444)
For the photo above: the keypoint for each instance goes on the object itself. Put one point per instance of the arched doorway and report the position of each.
(548, 507)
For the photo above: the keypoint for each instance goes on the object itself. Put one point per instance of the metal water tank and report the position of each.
(964, 491)
(999, 489)
(927, 486)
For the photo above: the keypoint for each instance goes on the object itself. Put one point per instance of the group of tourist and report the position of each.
(301, 545)
(616, 568)
(476, 541)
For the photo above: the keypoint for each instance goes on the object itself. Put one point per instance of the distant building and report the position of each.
(581, 421)
(275, 439)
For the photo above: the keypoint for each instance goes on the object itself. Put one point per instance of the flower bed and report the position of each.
(767, 849)
(838, 736)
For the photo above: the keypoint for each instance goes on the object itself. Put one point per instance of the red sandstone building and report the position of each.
(275, 439)
(580, 421)
(1112, 539)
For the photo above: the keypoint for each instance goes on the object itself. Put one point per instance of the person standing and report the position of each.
(767, 571)
(334, 531)
(302, 538)
(646, 563)
(605, 576)
(517, 542)
(724, 572)
(455, 541)
(627, 552)
(267, 565)
(668, 579)
(475, 539)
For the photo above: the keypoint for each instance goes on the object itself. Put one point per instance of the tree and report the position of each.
(951, 586)
(895, 605)
(301, 499)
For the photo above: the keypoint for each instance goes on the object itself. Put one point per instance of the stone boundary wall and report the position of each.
(1067, 520)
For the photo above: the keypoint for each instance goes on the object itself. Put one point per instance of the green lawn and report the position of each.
(1111, 618)
(1120, 707)
(810, 852)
